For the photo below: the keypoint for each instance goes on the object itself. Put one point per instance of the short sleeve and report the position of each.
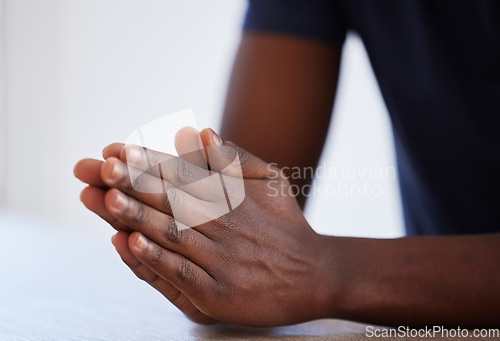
(316, 19)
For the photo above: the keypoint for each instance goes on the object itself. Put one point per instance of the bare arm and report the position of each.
(416, 281)
(283, 88)
(262, 264)
(280, 99)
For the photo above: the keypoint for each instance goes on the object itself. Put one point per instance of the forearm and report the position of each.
(445, 280)
(280, 100)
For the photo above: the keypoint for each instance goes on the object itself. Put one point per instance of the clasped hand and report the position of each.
(237, 253)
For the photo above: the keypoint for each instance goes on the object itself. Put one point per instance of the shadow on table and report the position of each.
(315, 330)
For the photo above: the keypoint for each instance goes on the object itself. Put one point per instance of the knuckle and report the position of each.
(140, 275)
(243, 156)
(231, 151)
(157, 256)
(172, 233)
(185, 271)
(228, 225)
(175, 296)
(183, 173)
(222, 292)
(145, 275)
(136, 212)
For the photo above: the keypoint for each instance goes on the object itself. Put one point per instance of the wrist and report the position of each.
(333, 283)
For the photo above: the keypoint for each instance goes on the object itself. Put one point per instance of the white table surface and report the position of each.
(68, 283)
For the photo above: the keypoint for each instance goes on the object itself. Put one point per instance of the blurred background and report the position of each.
(80, 74)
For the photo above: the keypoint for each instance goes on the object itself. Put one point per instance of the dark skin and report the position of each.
(283, 88)
(262, 264)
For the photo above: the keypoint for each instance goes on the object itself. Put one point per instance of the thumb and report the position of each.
(189, 147)
(228, 158)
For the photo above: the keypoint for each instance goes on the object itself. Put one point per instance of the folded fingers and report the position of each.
(93, 198)
(170, 292)
(185, 208)
(190, 175)
(89, 170)
(186, 276)
(162, 228)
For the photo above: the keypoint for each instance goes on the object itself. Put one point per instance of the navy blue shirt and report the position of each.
(438, 67)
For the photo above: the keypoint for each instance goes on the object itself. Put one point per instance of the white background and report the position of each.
(80, 74)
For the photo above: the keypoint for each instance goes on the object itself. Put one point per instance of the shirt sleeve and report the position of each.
(316, 19)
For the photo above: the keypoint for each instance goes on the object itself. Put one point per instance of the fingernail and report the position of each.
(134, 155)
(113, 239)
(120, 202)
(118, 172)
(216, 138)
(141, 243)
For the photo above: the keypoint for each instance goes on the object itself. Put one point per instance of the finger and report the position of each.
(218, 187)
(160, 227)
(89, 171)
(93, 198)
(189, 147)
(186, 276)
(161, 195)
(196, 181)
(113, 150)
(120, 241)
(230, 159)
